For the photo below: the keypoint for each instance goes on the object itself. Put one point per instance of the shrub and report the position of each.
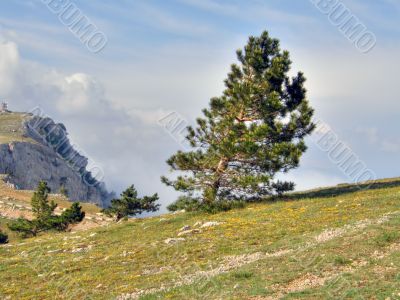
(184, 203)
(45, 219)
(192, 204)
(243, 274)
(74, 214)
(3, 238)
(130, 204)
(221, 206)
(24, 227)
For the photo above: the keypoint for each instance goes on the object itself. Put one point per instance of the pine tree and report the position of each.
(44, 217)
(250, 133)
(41, 207)
(130, 204)
(73, 215)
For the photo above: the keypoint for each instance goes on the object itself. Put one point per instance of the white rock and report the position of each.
(173, 240)
(186, 232)
(78, 250)
(210, 224)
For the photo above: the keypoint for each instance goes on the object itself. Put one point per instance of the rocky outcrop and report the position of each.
(53, 159)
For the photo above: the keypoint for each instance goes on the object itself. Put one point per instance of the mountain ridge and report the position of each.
(34, 148)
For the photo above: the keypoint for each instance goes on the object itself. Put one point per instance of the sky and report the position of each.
(172, 56)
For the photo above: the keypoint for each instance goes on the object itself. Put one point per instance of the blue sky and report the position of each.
(173, 55)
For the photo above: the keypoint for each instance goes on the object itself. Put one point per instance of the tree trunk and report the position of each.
(210, 194)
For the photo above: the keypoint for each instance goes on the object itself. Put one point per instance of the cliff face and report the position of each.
(49, 156)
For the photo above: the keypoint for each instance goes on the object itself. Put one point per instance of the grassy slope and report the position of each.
(313, 248)
(11, 129)
(23, 197)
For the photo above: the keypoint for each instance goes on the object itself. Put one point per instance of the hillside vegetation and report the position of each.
(11, 128)
(17, 203)
(334, 243)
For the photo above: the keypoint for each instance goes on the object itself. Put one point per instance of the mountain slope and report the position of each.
(334, 243)
(34, 149)
(11, 128)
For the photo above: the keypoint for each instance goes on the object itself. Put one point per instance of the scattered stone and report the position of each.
(186, 232)
(210, 224)
(173, 240)
(82, 249)
(185, 228)
(78, 250)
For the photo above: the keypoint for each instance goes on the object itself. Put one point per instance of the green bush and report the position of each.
(221, 206)
(74, 214)
(243, 275)
(25, 228)
(45, 219)
(3, 238)
(131, 205)
(186, 203)
(191, 204)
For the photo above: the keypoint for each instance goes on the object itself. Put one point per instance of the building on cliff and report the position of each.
(4, 107)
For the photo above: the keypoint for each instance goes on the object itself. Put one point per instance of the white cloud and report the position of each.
(80, 94)
(371, 134)
(382, 142)
(310, 179)
(391, 146)
(148, 117)
(249, 10)
(126, 143)
(27, 85)
(9, 63)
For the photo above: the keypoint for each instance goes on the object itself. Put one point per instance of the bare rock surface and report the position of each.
(50, 158)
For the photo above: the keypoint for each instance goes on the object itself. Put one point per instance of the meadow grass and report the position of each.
(108, 261)
(11, 128)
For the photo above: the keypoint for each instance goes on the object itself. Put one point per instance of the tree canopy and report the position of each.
(255, 130)
(129, 204)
